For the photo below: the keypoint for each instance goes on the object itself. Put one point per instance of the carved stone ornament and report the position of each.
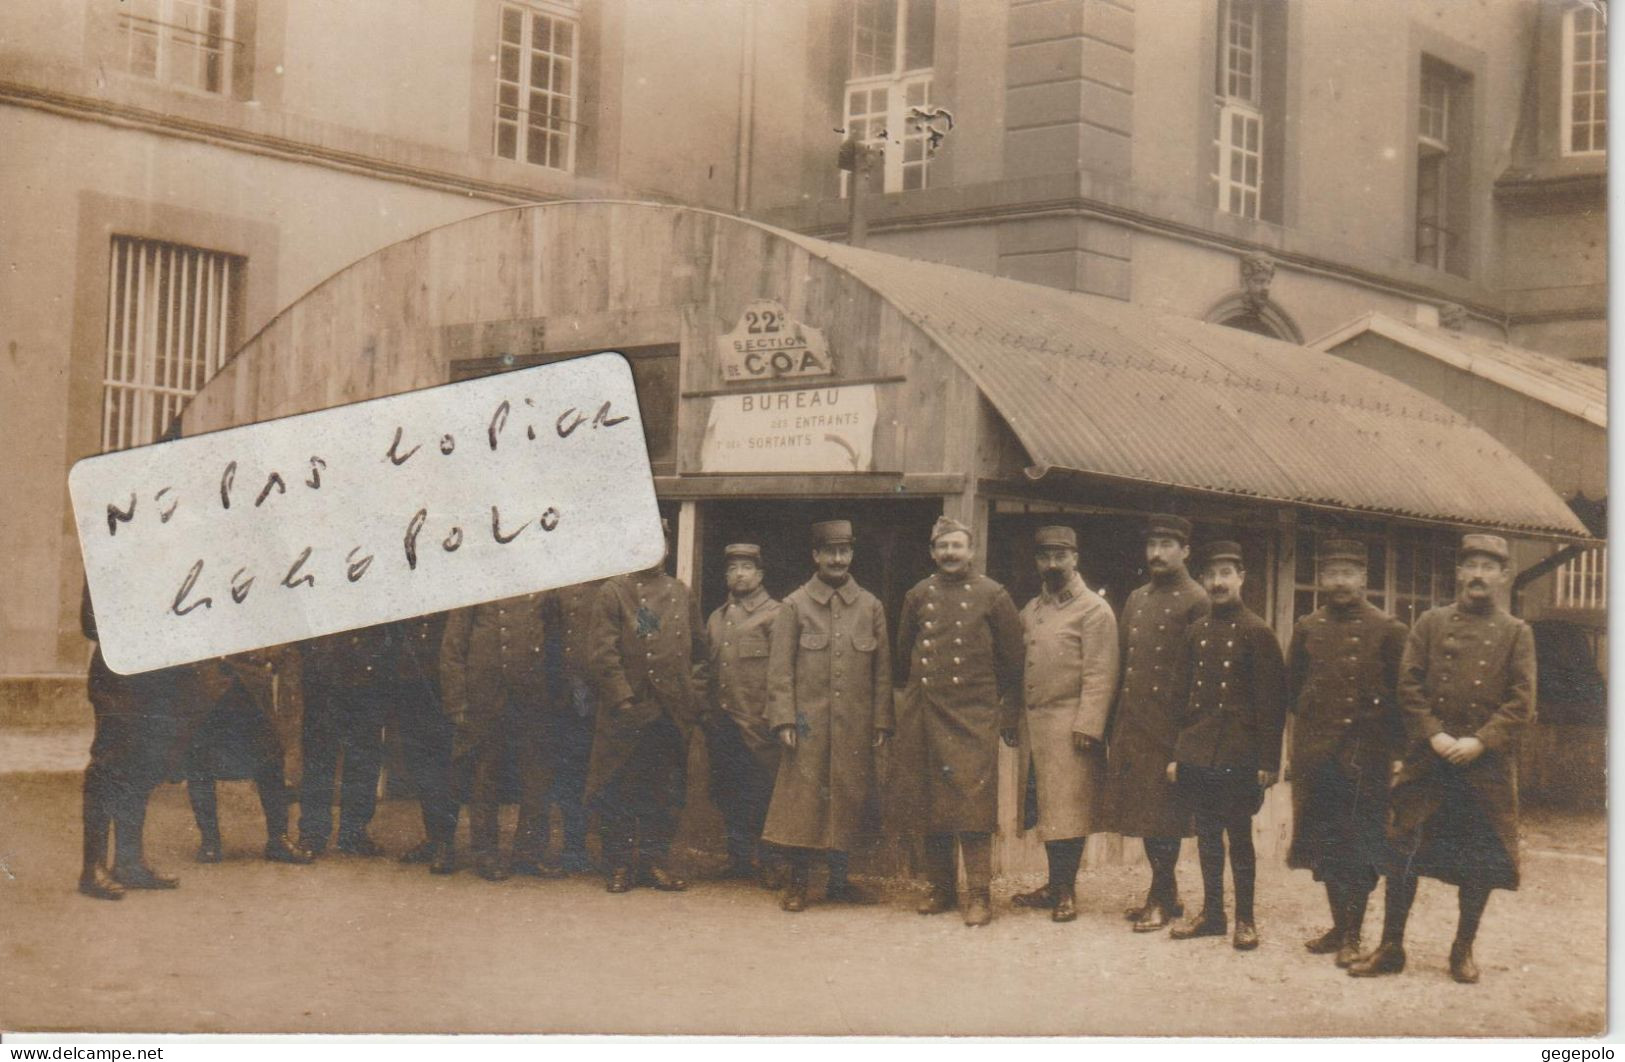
(1257, 271)
(1452, 316)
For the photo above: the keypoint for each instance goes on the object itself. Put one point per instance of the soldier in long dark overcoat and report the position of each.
(1467, 686)
(959, 649)
(1140, 801)
(348, 683)
(570, 726)
(427, 736)
(649, 657)
(238, 739)
(744, 756)
(1344, 669)
(143, 724)
(493, 667)
(1229, 747)
(1068, 683)
(830, 704)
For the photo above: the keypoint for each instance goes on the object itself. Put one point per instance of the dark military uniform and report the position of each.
(570, 725)
(239, 739)
(743, 753)
(1344, 666)
(348, 686)
(493, 669)
(959, 647)
(143, 724)
(649, 658)
(426, 732)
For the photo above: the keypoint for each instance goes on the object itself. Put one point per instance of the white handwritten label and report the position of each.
(367, 513)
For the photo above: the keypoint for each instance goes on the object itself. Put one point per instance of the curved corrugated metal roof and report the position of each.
(1108, 388)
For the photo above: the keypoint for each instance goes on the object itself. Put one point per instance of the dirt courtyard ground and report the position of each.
(352, 945)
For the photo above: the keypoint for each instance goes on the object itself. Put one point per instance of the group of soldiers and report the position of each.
(1160, 724)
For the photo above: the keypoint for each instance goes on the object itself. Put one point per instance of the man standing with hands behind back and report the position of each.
(830, 705)
(1071, 675)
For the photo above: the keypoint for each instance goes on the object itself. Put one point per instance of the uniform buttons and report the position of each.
(651, 656)
(958, 624)
(956, 659)
(924, 681)
(956, 680)
(957, 641)
(1224, 685)
(1478, 682)
(1348, 722)
(926, 642)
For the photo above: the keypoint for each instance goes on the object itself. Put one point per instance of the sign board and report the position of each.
(366, 513)
(827, 429)
(767, 345)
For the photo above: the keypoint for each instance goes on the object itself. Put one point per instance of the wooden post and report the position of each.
(1272, 826)
(690, 565)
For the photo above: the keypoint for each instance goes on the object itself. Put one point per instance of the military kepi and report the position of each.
(832, 533)
(1056, 535)
(1166, 525)
(1493, 545)
(1222, 550)
(743, 550)
(1344, 550)
(947, 525)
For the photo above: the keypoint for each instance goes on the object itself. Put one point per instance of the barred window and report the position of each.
(171, 323)
(889, 76)
(1585, 82)
(188, 43)
(1583, 581)
(537, 85)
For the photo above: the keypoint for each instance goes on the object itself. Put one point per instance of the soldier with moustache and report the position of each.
(493, 666)
(744, 755)
(1229, 747)
(830, 705)
(1140, 800)
(1070, 677)
(649, 657)
(1467, 687)
(959, 648)
(1343, 666)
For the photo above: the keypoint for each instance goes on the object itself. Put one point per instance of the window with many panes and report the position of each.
(1440, 165)
(171, 324)
(889, 83)
(1585, 82)
(189, 43)
(1239, 132)
(537, 83)
(1408, 570)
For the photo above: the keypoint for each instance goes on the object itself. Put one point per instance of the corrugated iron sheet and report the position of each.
(1109, 388)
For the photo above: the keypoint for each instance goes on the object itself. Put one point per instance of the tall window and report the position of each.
(1239, 135)
(1585, 82)
(179, 42)
(537, 85)
(1409, 571)
(889, 76)
(170, 327)
(1442, 155)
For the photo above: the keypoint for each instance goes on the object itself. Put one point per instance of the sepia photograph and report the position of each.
(804, 518)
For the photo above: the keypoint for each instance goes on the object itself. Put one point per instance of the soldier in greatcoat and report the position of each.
(143, 723)
(348, 681)
(744, 755)
(1068, 683)
(1229, 747)
(649, 657)
(238, 739)
(1344, 667)
(1467, 687)
(493, 666)
(1140, 801)
(570, 726)
(830, 704)
(959, 649)
(427, 738)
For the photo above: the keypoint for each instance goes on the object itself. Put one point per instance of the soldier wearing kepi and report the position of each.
(1140, 801)
(959, 649)
(1343, 667)
(1229, 746)
(1070, 677)
(830, 705)
(493, 667)
(743, 752)
(650, 660)
(1467, 687)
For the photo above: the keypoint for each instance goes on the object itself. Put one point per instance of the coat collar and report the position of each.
(1074, 586)
(756, 600)
(821, 591)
